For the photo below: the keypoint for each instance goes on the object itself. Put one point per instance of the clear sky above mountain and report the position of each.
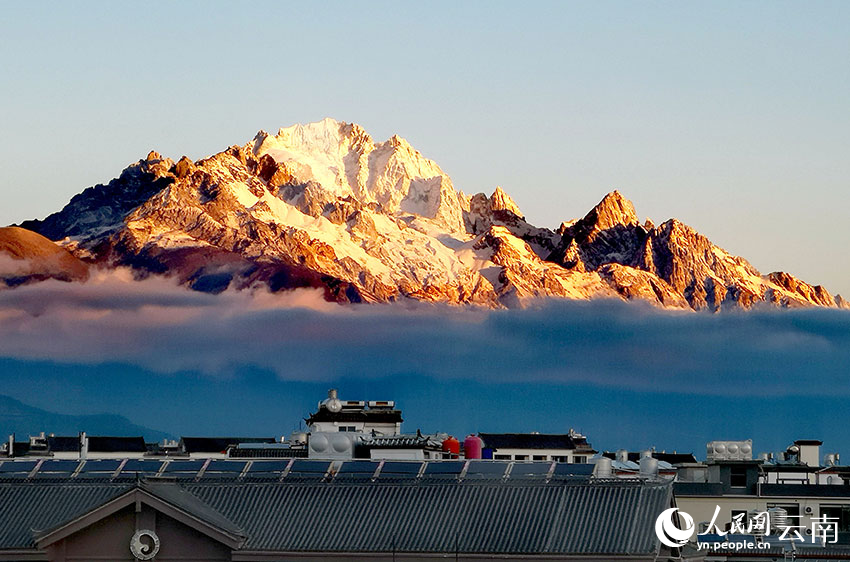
(734, 118)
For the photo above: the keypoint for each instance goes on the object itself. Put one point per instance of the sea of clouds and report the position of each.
(160, 326)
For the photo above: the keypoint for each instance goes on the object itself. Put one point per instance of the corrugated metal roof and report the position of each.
(486, 516)
(489, 517)
(39, 506)
(179, 497)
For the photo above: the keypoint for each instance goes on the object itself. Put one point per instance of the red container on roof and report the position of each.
(472, 447)
(452, 446)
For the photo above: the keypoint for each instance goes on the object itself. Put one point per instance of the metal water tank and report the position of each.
(648, 467)
(778, 518)
(298, 438)
(622, 455)
(472, 447)
(319, 444)
(603, 468)
(754, 515)
(331, 445)
(451, 446)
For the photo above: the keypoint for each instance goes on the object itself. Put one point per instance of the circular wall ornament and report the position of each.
(144, 550)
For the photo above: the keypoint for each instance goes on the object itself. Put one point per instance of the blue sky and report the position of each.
(733, 117)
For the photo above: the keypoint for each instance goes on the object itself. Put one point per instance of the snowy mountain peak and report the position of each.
(323, 205)
(614, 209)
(344, 161)
(501, 201)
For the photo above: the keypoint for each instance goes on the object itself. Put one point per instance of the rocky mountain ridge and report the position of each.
(324, 205)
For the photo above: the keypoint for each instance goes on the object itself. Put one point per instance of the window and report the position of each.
(502, 457)
(520, 457)
(347, 428)
(580, 459)
(841, 513)
(738, 477)
(560, 459)
(742, 513)
(538, 457)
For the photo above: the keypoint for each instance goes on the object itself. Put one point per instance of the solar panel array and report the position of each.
(293, 470)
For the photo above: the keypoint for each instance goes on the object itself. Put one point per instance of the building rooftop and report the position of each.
(355, 416)
(574, 441)
(557, 518)
(287, 468)
(63, 444)
(218, 444)
(107, 444)
(671, 458)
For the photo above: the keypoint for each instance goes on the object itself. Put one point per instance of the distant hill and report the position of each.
(26, 257)
(23, 420)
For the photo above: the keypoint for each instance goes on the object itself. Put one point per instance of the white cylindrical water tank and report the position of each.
(603, 468)
(648, 467)
(778, 518)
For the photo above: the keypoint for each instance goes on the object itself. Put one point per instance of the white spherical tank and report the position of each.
(340, 443)
(319, 443)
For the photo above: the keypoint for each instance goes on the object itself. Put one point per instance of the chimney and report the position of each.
(809, 451)
(84, 445)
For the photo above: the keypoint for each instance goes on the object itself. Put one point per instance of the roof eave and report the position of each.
(44, 539)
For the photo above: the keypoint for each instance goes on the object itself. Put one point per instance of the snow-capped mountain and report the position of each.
(324, 205)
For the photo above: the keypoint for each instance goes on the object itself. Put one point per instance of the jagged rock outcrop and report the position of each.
(522, 275)
(705, 275)
(103, 207)
(808, 293)
(324, 205)
(609, 233)
(636, 284)
(500, 210)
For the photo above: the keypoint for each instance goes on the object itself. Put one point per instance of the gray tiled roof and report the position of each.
(26, 507)
(558, 517)
(178, 496)
(611, 517)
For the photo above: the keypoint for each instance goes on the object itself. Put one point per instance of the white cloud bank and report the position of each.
(159, 326)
